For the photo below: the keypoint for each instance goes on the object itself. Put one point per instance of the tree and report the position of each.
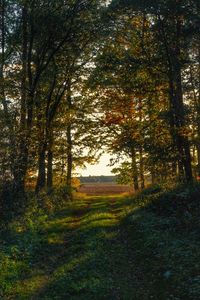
(42, 38)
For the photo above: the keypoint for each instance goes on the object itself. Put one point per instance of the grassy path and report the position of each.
(82, 256)
(96, 250)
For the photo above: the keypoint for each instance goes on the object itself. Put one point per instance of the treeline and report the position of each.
(97, 179)
(79, 75)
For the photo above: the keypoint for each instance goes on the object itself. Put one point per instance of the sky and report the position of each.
(98, 169)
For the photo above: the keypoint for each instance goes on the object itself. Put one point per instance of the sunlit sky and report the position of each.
(98, 169)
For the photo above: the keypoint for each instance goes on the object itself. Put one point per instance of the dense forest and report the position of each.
(79, 78)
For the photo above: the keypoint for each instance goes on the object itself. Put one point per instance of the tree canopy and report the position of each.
(82, 77)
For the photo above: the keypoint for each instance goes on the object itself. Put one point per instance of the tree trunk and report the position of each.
(198, 114)
(50, 170)
(41, 179)
(69, 140)
(22, 159)
(7, 117)
(50, 162)
(42, 148)
(134, 169)
(142, 180)
(173, 55)
(182, 140)
(69, 156)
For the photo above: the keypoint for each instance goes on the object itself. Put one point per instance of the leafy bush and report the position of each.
(55, 199)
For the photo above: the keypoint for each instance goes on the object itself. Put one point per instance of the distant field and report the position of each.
(104, 188)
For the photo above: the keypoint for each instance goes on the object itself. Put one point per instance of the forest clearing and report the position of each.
(85, 83)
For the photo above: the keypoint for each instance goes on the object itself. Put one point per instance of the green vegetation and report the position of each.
(79, 78)
(107, 248)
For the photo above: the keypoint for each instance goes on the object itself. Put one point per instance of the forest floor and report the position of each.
(103, 248)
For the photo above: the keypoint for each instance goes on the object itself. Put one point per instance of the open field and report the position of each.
(104, 189)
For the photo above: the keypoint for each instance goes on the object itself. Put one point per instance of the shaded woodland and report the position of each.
(78, 79)
(79, 76)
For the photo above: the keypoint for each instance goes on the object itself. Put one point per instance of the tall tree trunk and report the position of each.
(41, 179)
(50, 169)
(173, 55)
(182, 140)
(142, 180)
(50, 162)
(28, 88)
(69, 156)
(69, 140)
(198, 113)
(42, 148)
(134, 169)
(7, 117)
(22, 159)
(7, 202)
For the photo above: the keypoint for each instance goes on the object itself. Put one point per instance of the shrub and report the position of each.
(55, 199)
(181, 203)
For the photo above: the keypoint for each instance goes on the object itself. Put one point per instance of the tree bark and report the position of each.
(41, 179)
(142, 179)
(198, 114)
(7, 117)
(69, 141)
(173, 54)
(182, 140)
(141, 168)
(69, 156)
(22, 158)
(50, 162)
(134, 169)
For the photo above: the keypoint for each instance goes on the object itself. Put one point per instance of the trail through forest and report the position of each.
(81, 79)
(84, 255)
(104, 248)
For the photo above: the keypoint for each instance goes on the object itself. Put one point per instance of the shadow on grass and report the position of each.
(73, 261)
(75, 256)
(109, 248)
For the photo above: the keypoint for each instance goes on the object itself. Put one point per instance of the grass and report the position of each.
(103, 248)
